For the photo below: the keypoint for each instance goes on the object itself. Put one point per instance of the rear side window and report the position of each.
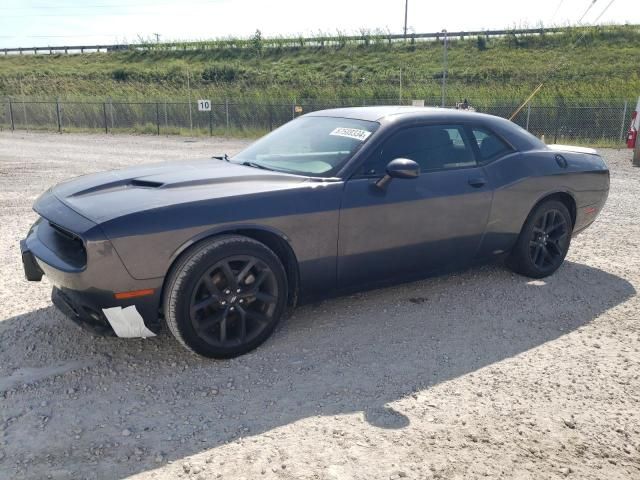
(490, 145)
(433, 147)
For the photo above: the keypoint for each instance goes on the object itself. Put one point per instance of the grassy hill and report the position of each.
(603, 65)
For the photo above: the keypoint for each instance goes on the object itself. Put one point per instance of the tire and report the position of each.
(225, 296)
(543, 242)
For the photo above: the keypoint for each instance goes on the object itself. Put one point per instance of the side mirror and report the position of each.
(399, 168)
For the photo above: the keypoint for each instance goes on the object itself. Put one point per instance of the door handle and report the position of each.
(477, 182)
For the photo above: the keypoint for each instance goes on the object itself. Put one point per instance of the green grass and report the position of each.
(151, 129)
(602, 66)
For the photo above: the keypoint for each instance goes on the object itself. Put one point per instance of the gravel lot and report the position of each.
(478, 374)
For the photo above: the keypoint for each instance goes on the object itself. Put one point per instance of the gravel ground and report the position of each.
(479, 374)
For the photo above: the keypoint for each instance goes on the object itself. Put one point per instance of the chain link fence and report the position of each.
(598, 122)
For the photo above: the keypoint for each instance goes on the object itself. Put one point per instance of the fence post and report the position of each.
(624, 119)
(110, 112)
(557, 123)
(13, 125)
(158, 118)
(58, 115)
(104, 116)
(166, 117)
(211, 122)
(226, 112)
(293, 109)
(528, 115)
(24, 111)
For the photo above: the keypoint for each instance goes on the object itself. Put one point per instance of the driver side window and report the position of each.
(433, 147)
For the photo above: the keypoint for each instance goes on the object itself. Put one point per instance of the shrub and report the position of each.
(224, 73)
(121, 75)
(257, 43)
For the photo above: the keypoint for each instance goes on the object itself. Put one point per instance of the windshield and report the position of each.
(315, 146)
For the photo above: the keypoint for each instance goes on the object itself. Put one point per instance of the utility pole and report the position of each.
(444, 71)
(406, 8)
(157, 35)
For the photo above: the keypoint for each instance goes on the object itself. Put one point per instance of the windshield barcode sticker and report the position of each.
(354, 133)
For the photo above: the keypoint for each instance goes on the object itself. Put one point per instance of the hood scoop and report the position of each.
(145, 183)
(117, 185)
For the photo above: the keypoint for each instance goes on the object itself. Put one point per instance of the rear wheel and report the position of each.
(544, 240)
(225, 297)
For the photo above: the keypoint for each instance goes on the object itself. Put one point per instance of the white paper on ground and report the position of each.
(127, 322)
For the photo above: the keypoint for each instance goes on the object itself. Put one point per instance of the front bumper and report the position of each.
(77, 309)
(85, 290)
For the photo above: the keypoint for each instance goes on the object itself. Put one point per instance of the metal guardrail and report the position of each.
(267, 42)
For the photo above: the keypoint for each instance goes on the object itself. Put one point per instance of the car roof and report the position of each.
(379, 113)
(367, 113)
(399, 114)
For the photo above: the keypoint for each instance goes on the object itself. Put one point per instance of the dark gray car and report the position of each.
(332, 202)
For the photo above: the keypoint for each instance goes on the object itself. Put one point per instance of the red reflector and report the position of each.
(134, 294)
(590, 210)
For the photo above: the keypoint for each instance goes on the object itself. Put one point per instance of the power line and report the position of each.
(603, 11)
(557, 9)
(563, 60)
(584, 34)
(587, 11)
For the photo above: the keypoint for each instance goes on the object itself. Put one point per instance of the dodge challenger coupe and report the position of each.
(334, 201)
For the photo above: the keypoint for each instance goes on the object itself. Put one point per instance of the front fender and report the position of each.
(226, 229)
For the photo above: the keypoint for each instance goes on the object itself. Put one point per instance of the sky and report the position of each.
(25, 23)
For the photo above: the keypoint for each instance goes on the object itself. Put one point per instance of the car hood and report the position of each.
(103, 196)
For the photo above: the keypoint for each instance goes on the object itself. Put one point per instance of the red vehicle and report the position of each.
(632, 134)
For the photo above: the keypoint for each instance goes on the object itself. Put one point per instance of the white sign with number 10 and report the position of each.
(204, 105)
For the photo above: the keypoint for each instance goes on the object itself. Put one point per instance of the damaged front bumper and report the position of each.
(75, 307)
(86, 273)
(125, 322)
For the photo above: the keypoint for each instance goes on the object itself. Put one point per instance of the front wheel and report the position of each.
(225, 297)
(544, 241)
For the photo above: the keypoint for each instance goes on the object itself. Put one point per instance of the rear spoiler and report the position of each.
(571, 148)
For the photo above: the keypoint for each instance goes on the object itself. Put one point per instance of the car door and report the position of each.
(413, 226)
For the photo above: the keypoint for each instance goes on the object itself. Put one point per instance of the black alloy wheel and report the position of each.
(234, 301)
(549, 236)
(544, 240)
(225, 296)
